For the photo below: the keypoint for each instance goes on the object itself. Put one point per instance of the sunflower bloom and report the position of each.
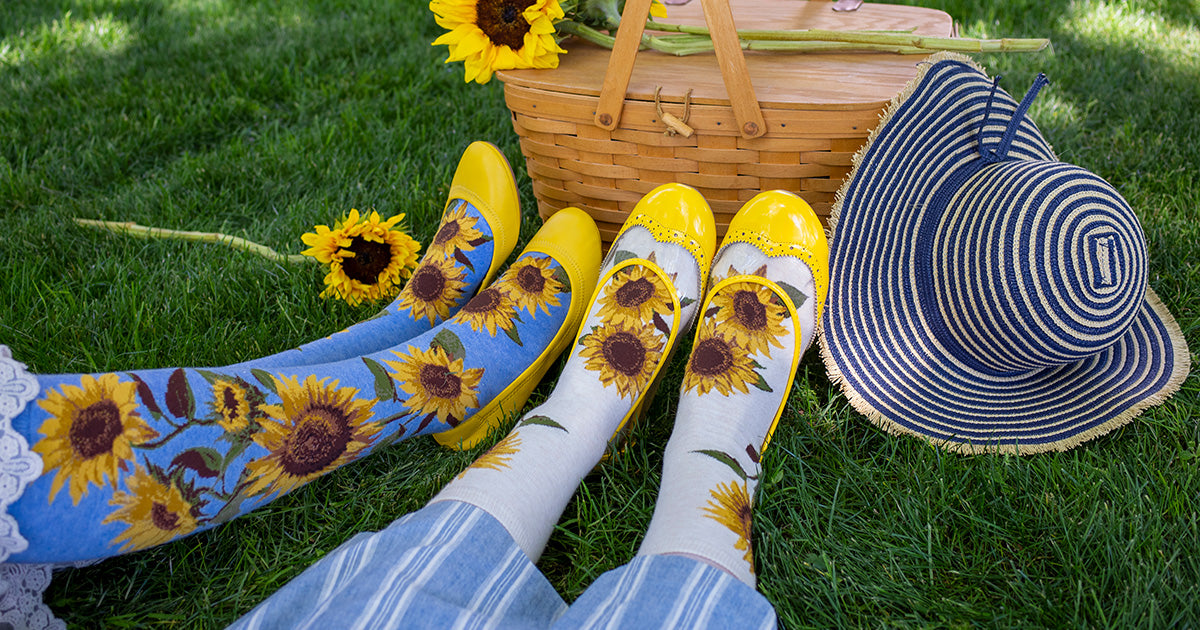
(458, 232)
(750, 315)
(435, 286)
(730, 506)
(532, 284)
(154, 512)
(491, 308)
(90, 433)
(230, 404)
(497, 457)
(634, 296)
(436, 384)
(717, 364)
(367, 257)
(490, 35)
(316, 427)
(625, 357)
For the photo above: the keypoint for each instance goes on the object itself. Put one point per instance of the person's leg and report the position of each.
(478, 230)
(760, 316)
(695, 567)
(645, 300)
(466, 559)
(129, 460)
(448, 565)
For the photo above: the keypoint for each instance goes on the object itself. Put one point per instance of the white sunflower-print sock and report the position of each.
(737, 379)
(646, 300)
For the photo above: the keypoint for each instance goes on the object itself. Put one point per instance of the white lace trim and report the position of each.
(18, 465)
(21, 585)
(21, 588)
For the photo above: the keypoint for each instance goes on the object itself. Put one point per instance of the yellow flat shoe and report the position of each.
(672, 213)
(571, 238)
(485, 180)
(780, 223)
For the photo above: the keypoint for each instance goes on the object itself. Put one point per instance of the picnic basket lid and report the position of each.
(826, 81)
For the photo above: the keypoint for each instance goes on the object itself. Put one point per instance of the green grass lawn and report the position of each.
(261, 118)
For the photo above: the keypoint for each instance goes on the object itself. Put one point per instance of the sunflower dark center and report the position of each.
(486, 301)
(428, 283)
(230, 402)
(749, 311)
(439, 381)
(95, 429)
(531, 280)
(711, 357)
(163, 518)
(502, 22)
(446, 233)
(370, 259)
(625, 353)
(744, 515)
(320, 437)
(634, 293)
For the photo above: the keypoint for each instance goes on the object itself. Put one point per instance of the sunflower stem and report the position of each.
(870, 40)
(236, 242)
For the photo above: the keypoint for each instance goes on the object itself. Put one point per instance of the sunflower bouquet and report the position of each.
(491, 35)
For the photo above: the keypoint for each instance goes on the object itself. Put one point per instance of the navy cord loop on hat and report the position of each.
(1010, 131)
(984, 295)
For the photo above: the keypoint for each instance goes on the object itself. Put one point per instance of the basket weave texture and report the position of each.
(818, 110)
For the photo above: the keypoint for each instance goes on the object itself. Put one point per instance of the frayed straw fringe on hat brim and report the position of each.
(860, 404)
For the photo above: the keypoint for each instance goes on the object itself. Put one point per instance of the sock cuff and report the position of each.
(710, 553)
(531, 542)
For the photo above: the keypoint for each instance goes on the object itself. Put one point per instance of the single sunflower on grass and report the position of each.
(730, 506)
(90, 433)
(155, 512)
(317, 427)
(436, 384)
(367, 256)
(490, 35)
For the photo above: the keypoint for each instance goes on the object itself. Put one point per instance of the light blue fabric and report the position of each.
(451, 565)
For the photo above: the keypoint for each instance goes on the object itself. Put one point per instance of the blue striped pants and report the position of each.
(451, 565)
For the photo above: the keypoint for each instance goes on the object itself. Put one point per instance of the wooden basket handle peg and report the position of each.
(730, 59)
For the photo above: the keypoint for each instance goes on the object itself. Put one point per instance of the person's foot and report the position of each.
(768, 287)
(646, 298)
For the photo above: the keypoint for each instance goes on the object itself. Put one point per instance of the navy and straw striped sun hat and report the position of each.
(983, 295)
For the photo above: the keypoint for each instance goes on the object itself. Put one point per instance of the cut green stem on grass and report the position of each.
(236, 242)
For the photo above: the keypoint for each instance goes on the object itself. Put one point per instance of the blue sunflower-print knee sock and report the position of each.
(757, 321)
(647, 298)
(133, 459)
(450, 272)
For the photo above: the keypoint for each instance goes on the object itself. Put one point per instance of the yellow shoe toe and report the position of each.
(677, 213)
(781, 223)
(485, 180)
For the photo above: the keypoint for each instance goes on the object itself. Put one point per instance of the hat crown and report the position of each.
(1036, 264)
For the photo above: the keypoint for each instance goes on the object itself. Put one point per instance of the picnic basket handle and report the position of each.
(730, 59)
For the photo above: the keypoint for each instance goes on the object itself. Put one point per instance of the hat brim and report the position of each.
(877, 340)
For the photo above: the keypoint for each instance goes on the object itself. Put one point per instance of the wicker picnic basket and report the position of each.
(596, 132)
